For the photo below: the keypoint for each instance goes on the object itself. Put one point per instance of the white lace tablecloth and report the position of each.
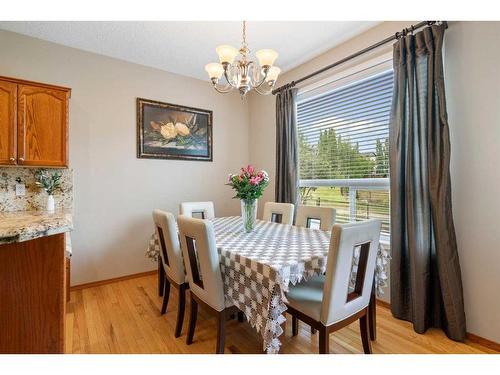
(258, 268)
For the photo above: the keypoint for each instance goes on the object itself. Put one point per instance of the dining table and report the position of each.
(258, 268)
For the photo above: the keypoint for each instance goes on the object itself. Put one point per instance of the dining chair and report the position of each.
(204, 276)
(172, 263)
(307, 215)
(205, 209)
(278, 212)
(325, 302)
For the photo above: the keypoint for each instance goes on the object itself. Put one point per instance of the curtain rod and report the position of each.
(397, 35)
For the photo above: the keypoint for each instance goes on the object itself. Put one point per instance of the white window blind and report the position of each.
(344, 148)
(344, 133)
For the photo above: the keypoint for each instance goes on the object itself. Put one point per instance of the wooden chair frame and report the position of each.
(222, 317)
(164, 283)
(181, 307)
(324, 331)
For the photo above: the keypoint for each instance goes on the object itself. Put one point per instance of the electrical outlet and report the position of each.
(20, 190)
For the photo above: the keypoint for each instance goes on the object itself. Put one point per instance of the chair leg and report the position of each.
(365, 334)
(324, 341)
(295, 326)
(221, 323)
(166, 295)
(372, 312)
(161, 277)
(193, 313)
(313, 331)
(180, 310)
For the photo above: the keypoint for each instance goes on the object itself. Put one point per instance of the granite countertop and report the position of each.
(19, 226)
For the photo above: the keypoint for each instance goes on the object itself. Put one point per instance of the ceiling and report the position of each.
(185, 47)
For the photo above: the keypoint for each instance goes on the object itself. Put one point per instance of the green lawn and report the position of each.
(369, 203)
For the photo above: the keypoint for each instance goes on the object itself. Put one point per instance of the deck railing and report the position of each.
(356, 199)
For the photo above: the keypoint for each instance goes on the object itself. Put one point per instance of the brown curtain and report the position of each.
(287, 149)
(426, 284)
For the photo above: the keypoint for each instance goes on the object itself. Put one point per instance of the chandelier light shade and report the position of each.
(243, 74)
(272, 74)
(266, 57)
(227, 54)
(214, 70)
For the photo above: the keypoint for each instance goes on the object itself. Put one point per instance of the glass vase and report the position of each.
(249, 214)
(50, 203)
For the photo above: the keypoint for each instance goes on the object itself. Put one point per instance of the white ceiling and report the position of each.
(185, 47)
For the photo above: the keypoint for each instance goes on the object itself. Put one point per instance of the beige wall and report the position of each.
(114, 191)
(473, 94)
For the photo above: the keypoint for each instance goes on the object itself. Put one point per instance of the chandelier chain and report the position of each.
(244, 44)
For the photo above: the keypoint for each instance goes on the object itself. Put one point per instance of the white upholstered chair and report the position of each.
(307, 214)
(325, 302)
(203, 271)
(172, 263)
(278, 212)
(205, 209)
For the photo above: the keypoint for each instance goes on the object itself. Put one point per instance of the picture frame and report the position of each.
(172, 131)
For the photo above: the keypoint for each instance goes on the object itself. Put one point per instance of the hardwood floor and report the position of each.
(124, 317)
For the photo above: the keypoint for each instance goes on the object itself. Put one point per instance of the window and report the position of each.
(343, 146)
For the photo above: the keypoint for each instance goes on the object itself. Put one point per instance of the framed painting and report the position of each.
(170, 131)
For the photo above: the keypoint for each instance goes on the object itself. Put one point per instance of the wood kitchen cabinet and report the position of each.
(33, 123)
(33, 296)
(8, 123)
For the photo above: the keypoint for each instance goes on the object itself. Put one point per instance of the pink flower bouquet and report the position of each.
(249, 184)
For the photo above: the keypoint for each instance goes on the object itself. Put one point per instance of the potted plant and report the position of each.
(249, 185)
(50, 182)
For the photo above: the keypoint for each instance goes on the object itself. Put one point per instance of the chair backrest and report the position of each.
(338, 303)
(205, 209)
(278, 212)
(170, 249)
(202, 260)
(306, 215)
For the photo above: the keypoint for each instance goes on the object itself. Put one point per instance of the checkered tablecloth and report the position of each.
(258, 268)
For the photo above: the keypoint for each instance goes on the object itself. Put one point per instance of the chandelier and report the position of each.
(243, 74)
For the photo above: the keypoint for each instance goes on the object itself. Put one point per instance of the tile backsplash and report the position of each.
(35, 198)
